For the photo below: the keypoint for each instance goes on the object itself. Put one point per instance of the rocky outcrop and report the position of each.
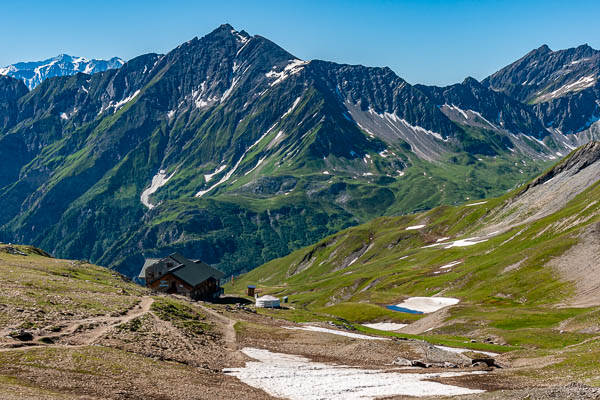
(563, 86)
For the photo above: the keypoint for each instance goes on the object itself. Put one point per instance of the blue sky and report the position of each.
(427, 41)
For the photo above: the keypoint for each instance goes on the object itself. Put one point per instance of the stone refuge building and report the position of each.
(177, 274)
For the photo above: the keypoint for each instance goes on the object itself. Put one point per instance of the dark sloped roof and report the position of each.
(191, 272)
(194, 273)
(147, 263)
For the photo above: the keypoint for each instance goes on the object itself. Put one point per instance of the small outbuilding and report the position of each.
(250, 290)
(267, 302)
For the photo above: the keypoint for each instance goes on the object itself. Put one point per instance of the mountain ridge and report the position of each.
(178, 151)
(35, 72)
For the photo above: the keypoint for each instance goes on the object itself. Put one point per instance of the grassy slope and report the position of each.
(517, 304)
(318, 206)
(38, 293)
(37, 289)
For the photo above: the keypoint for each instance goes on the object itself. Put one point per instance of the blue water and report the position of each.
(404, 310)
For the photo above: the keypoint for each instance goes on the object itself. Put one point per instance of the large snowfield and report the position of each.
(298, 378)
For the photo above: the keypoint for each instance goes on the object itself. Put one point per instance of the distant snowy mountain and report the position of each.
(35, 72)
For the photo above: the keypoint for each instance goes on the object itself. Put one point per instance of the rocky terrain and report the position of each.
(562, 85)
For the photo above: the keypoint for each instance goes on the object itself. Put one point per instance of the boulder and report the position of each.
(23, 336)
(402, 362)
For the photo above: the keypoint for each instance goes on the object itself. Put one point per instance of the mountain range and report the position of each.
(232, 149)
(34, 72)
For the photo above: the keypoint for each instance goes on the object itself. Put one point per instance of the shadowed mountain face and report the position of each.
(232, 150)
(563, 86)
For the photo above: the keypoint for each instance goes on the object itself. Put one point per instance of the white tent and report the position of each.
(267, 302)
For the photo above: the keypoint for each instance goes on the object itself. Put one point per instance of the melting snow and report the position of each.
(292, 68)
(583, 83)
(476, 204)
(335, 332)
(297, 378)
(256, 166)
(465, 242)
(237, 164)
(460, 351)
(410, 228)
(228, 91)
(394, 118)
(126, 100)
(452, 264)
(208, 177)
(158, 180)
(427, 304)
(386, 326)
(296, 102)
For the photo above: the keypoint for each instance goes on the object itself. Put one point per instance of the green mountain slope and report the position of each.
(230, 149)
(524, 265)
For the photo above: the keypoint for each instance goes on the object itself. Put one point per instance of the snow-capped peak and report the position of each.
(35, 72)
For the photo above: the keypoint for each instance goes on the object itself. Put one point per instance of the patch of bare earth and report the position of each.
(581, 265)
(134, 356)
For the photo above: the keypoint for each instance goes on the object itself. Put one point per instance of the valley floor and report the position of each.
(72, 330)
(157, 349)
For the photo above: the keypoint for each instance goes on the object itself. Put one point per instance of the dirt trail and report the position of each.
(227, 325)
(90, 336)
(87, 337)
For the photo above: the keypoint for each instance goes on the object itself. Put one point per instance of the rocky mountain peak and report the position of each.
(543, 49)
(472, 82)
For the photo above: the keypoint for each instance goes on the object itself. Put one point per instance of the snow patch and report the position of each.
(334, 332)
(228, 91)
(385, 326)
(208, 177)
(460, 351)
(410, 228)
(126, 100)
(465, 242)
(452, 264)
(394, 118)
(427, 304)
(582, 83)
(159, 180)
(256, 166)
(296, 102)
(237, 164)
(294, 67)
(298, 378)
(475, 204)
